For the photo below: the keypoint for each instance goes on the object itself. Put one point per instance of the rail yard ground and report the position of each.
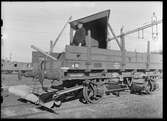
(125, 106)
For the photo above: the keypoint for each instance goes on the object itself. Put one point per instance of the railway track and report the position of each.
(38, 110)
(41, 110)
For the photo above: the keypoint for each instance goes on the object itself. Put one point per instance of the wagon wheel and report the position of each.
(92, 93)
(82, 100)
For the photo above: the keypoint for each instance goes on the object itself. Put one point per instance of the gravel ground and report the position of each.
(126, 106)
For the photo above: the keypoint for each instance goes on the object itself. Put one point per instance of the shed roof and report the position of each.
(90, 18)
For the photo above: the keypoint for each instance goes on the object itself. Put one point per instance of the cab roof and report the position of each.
(90, 18)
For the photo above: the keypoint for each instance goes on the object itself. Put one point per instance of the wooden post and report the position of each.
(89, 51)
(148, 55)
(89, 38)
(51, 51)
(71, 35)
(123, 50)
(136, 55)
(51, 47)
(108, 47)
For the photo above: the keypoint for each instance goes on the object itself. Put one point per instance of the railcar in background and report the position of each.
(9, 67)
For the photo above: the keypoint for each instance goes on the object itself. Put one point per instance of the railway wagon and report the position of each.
(74, 61)
(96, 60)
(13, 66)
(90, 71)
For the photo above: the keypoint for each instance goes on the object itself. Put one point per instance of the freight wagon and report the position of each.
(91, 71)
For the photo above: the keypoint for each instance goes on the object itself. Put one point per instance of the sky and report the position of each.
(36, 23)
